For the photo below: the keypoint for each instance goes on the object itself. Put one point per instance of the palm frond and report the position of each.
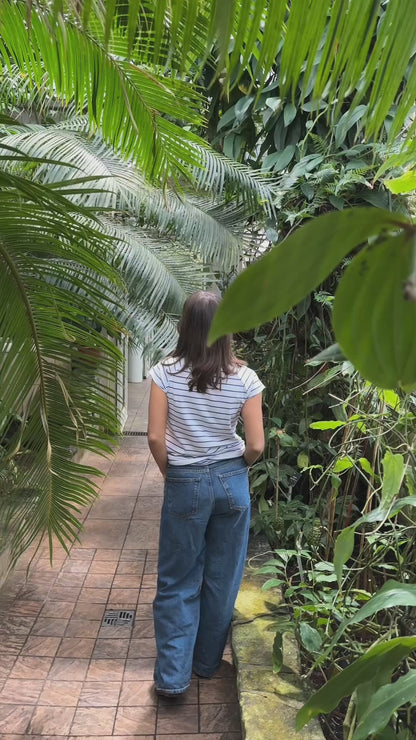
(127, 102)
(209, 228)
(338, 49)
(57, 369)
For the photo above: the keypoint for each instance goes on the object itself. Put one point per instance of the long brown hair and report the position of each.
(208, 365)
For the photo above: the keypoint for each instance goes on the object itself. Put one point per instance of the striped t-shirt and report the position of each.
(201, 427)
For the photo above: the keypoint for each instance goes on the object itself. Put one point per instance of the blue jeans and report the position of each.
(203, 544)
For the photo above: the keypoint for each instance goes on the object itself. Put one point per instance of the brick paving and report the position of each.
(65, 675)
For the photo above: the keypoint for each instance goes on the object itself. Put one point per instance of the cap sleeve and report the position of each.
(252, 383)
(159, 376)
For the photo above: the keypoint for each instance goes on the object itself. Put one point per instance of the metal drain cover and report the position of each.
(134, 434)
(119, 617)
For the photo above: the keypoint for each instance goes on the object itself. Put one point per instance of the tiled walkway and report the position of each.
(65, 675)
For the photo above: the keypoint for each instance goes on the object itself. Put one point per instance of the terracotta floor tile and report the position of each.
(126, 456)
(60, 693)
(94, 595)
(120, 486)
(126, 596)
(203, 736)
(109, 555)
(83, 610)
(95, 721)
(138, 694)
(218, 691)
(31, 667)
(102, 533)
(127, 581)
(76, 566)
(82, 628)
(130, 555)
(149, 580)
(11, 644)
(177, 718)
(62, 593)
(100, 694)
(110, 508)
(143, 648)
(81, 553)
(142, 534)
(51, 720)
(70, 580)
(104, 567)
(135, 720)
(76, 647)
(148, 508)
(220, 718)
(144, 628)
(19, 691)
(104, 737)
(189, 697)
(41, 646)
(130, 569)
(144, 611)
(101, 669)
(140, 669)
(69, 669)
(99, 580)
(112, 632)
(150, 567)
(59, 609)
(130, 469)
(6, 664)
(49, 627)
(227, 668)
(147, 595)
(34, 592)
(14, 718)
(16, 625)
(111, 648)
(25, 607)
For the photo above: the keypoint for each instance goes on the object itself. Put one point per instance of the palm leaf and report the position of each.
(202, 224)
(329, 45)
(44, 372)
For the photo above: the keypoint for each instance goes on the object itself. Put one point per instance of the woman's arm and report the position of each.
(156, 428)
(252, 416)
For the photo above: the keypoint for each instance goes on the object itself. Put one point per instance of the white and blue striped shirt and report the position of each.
(201, 427)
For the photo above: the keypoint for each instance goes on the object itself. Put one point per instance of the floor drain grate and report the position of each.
(119, 617)
(134, 434)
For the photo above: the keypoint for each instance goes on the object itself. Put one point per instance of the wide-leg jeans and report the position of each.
(203, 544)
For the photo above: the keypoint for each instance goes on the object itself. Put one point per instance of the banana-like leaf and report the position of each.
(379, 659)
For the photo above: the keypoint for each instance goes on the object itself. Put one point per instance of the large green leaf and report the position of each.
(391, 594)
(381, 658)
(374, 321)
(290, 271)
(393, 471)
(384, 703)
(344, 547)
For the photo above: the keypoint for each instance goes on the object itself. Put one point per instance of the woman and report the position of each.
(196, 399)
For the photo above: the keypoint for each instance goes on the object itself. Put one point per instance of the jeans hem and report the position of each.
(205, 672)
(171, 692)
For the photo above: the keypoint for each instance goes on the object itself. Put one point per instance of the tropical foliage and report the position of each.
(125, 258)
(132, 74)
